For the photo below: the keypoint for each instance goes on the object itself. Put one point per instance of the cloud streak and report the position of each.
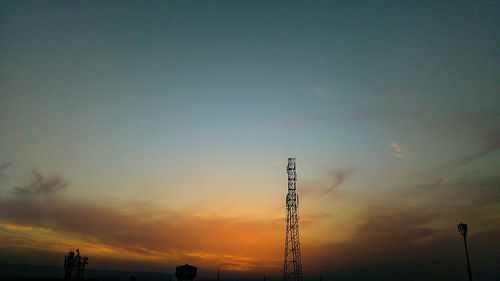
(41, 185)
(399, 237)
(338, 177)
(490, 143)
(167, 236)
(239, 244)
(3, 168)
(335, 178)
(395, 241)
(397, 149)
(487, 144)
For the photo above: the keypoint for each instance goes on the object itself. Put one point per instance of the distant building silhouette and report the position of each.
(185, 272)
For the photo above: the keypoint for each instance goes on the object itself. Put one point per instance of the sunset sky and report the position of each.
(153, 134)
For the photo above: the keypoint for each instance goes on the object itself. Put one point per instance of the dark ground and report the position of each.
(16, 272)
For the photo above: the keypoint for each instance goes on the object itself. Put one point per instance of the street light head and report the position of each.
(462, 228)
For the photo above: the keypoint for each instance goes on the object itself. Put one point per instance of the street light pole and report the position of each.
(462, 228)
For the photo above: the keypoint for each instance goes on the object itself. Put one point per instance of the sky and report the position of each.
(152, 134)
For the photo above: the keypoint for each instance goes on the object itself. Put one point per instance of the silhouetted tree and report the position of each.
(74, 265)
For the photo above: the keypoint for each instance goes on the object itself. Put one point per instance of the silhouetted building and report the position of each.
(185, 272)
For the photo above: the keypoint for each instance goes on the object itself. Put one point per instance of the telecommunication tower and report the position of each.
(292, 268)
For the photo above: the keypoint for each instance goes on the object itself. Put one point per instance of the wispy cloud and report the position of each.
(402, 241)
(176, 236)
(338, 177)
(3, 168)
(330, 186)
(487, 144)
(41, 185)
(471, 192)
(490, 142)
(387, 234)
(168, 236)
(325, 93)
(397, 149)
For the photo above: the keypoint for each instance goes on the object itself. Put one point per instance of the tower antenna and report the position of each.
(292, 267)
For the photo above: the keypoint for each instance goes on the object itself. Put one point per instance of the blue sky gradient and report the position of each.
(194, 107)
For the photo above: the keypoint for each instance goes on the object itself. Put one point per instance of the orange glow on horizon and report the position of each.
(252, 256)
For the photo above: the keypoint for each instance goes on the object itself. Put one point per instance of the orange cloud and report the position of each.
(238, 244)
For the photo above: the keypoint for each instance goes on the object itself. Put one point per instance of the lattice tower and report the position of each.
(292, 268)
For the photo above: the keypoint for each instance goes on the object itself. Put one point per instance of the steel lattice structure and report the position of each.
(292, 268)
